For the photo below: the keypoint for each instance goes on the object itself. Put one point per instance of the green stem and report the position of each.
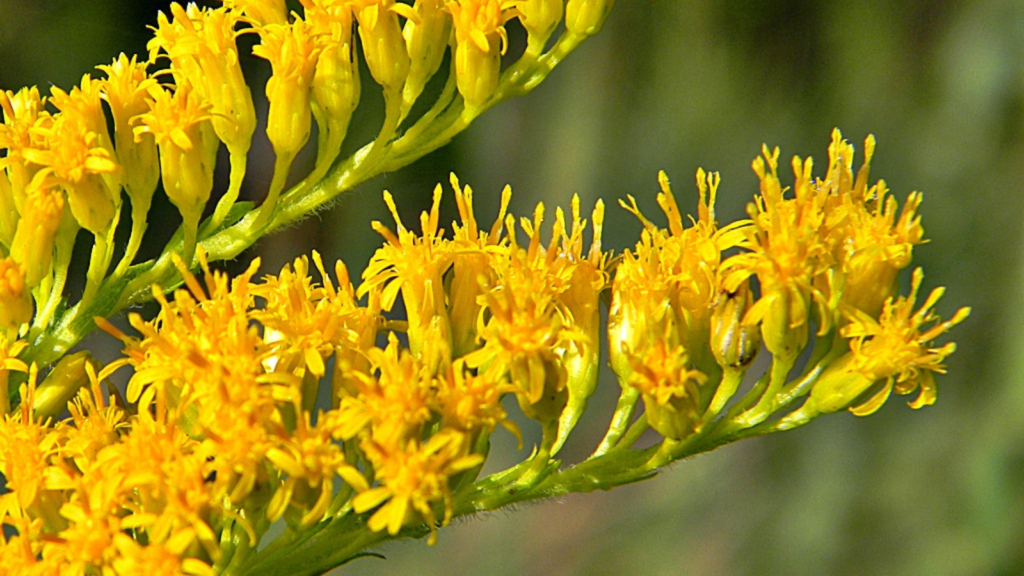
(64, 247)
(239, 161)
(282, 165)
(624, 410)
(139, 225)
(98, 262)
(767, 404)
(634, 433)
(726, 389)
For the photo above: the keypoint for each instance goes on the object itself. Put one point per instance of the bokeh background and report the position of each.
(675, 85)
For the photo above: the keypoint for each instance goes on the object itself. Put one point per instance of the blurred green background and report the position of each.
(679, 84)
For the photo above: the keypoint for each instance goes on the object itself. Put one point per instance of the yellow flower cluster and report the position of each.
(219, 434)
(58, 152)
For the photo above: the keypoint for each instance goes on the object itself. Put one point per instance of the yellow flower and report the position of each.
(180, 124)
(866, 236)
(201, 46)
(310, 461)
(9, 351)
(383, 45)
(413, 478)
(162, 475)
(539, 18)
(15, 298)
(21, 553)
(669, 387)
(33, 242)
(292, 51)
(895, 348)
(83, 104)
(527, 329)
(305, 323)
(415, 265)
(671, 283)
(126, 90)
(261, 12)
(470, 403)
(75, 159)
(787, 253)
(202, 361)
(33, 476)
(480, 40)
(22, 111)
(94, 424)
(473, 249)
(157, 559)
(582, 302)
(394, 405)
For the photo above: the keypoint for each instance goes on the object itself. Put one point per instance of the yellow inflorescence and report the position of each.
(223, 433)
(301, 399)
(62, 168)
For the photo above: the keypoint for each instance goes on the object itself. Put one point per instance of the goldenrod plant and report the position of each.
(219, 435)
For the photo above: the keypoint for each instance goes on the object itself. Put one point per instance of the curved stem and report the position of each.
(239, 161)
(624, 410)
(139, 225)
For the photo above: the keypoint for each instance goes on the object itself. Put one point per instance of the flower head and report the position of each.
(292, 51)
(73, 157)
(480, 40)
(662, 375)
(201, 46)
(383, 45)
(180, 124)
(413, 478)
(415, 265)
(15, 297)
(895, 348)
(126, 90)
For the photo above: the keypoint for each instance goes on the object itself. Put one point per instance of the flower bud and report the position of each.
(292, 53)
(734, 344)
(8, 210)
(480, 40)
(383, 45)
(669, 388)
(840, 385)
(126, 92)
(546, 393)
(426, 38)
(539, 18)
(180, 123)
(785, 326)
(33, 242)
(336, 83)
(15, 299)
(61, 385)
(585, 17)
